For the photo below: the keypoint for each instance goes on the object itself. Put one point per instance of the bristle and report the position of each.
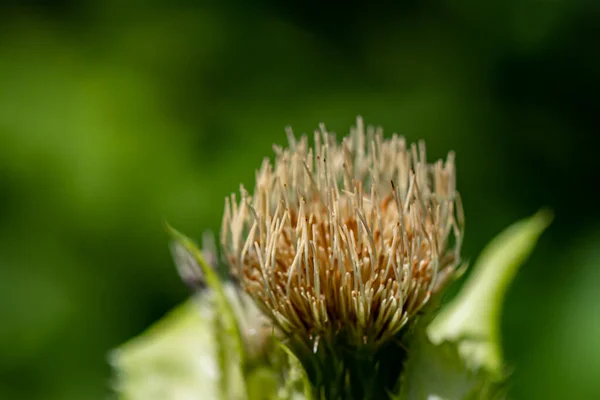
(327, 243)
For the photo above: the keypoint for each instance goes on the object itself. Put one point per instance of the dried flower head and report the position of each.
(345, 241)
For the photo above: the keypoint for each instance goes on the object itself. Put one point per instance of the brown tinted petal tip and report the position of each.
(345, 237)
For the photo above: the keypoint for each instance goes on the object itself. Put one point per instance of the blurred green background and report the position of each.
(117, 115)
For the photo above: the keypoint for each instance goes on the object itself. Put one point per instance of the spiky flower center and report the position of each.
(349, 238)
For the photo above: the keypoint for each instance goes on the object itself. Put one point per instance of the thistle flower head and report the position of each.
(345, 240)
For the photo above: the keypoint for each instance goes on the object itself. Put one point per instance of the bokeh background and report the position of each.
(116, 115)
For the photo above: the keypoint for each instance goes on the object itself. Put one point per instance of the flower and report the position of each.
(345, 242)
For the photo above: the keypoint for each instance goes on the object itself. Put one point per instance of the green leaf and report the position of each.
(213, 281)
(196, 351)
(297, 384)
(262, 383)
(472, 319)
(173, 360)
(436, 372)
(231, 355)
(212, 348)
(457, 356)
(185, 355)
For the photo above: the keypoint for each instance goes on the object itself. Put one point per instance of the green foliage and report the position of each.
(213, 324)
(189, 354)
(297, 385)
(435, 372)
(231, 353)
(198, 349)
(457, 356)
(149, 366)
(472, 319)
(176, 358)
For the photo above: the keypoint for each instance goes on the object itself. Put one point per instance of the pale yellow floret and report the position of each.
(352, 236)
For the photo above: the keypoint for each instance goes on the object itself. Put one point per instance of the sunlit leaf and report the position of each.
(297, 384)
(472, 319)
(229, 342)
(174, 360)
(458, 355)
(436, 373)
